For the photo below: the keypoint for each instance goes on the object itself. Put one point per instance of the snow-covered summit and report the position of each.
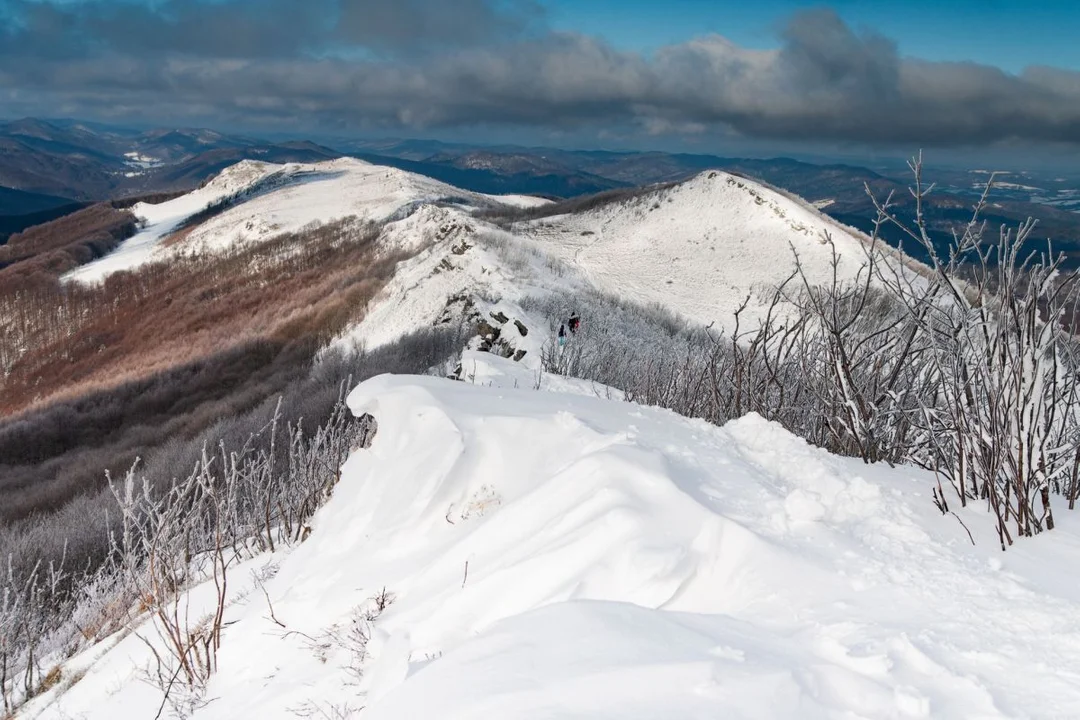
(261, 200)
(237, 177)
(702, 245)
(698, 248)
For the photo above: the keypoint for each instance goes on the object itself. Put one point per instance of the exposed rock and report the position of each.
(458, 307)
(453, 228)
(501, 348)
(368, 427)
(521, 328)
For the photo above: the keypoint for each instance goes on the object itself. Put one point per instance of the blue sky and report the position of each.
(847, 78)
(1010, 34)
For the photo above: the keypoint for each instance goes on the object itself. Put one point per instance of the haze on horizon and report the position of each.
(960, 78)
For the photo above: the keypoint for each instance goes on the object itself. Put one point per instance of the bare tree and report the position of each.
(996, 319)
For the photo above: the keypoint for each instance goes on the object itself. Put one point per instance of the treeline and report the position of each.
(40, 254)
(167, 367)
(75, 338)
(11, 224)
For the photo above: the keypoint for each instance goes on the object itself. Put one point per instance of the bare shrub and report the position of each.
(247, 328)
(247, 484)
(519, 254)
(998, 325)
(968, 368)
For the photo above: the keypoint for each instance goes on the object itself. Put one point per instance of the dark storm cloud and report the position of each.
(430, 63)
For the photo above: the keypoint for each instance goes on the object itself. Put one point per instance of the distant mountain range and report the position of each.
(59, 165)
(87, 164)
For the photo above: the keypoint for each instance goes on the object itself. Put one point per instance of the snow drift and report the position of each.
(560, 555)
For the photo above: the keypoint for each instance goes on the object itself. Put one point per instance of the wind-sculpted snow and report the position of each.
(554, 552)
(559, 555)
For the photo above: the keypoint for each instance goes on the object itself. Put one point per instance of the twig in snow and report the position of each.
(271, 606)
(962, 525)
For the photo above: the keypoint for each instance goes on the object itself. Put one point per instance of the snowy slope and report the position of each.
(562, 556)
(701, 246)
(161, 219)
(276, 199)
(456, 264)
(698, 247)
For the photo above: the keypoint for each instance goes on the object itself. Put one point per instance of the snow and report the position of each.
(276, 199)
(519, 201)
(1008, 186)
(701, 246)
(453, 261)
(557, 553)
(560, 555)
(159, 220)
(137, 159)
(328, 191)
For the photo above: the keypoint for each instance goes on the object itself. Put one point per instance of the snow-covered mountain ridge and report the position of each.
(699, 247)
(262, 200)
(526, 544)
(555, 555)
(529, 545)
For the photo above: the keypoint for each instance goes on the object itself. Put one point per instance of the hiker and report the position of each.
(575, 321)
(562, 335)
